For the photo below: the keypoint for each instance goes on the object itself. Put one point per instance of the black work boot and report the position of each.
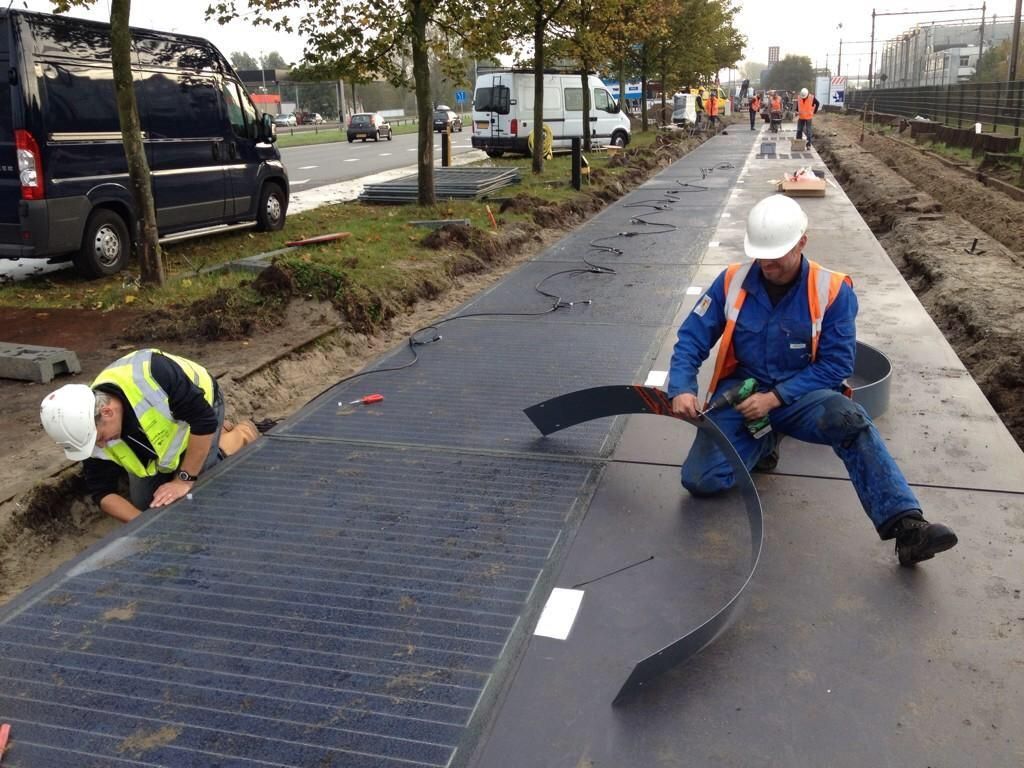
(917, 540)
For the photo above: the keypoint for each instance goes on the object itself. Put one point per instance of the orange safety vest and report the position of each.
(755, 104)
(711, 105)
(806, 107)
(776, 104)
(822, 288)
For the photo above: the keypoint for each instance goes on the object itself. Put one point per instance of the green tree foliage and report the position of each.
(995, 64)
(379, 39)
(274, 60)
(242, 60)
(751, 70)
(791, 74)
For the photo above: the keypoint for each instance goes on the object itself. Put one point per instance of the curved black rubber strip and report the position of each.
(587, 404)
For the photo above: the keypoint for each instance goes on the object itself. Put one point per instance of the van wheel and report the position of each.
(495, 152)
(620, 139)
(105, 245)
(351, 140)
(390, 132)
(377, 136)
(273, 208)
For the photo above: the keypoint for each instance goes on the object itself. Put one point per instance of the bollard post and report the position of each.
(577, 158)
(446, 146)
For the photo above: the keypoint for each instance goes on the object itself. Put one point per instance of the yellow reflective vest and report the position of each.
(133, 375)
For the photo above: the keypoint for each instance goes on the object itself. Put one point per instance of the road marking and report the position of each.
(559, 613)
(385, 154)
(656, 379)
(411, 150)
(296, 183)
(351, 159)
(308, 167)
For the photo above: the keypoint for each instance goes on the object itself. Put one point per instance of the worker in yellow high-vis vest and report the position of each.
(789, 324)
(157, 416)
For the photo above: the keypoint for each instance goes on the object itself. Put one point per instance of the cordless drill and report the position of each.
(735, 395)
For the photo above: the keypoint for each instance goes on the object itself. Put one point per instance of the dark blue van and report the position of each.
(64, 186)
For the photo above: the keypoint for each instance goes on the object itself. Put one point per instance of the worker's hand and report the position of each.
(685, 405)
(170, 491)
(757, 405)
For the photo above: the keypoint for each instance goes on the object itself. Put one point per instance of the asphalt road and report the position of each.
(320, 164)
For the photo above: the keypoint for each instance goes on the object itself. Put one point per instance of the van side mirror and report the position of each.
(614, 108)
(268, 131)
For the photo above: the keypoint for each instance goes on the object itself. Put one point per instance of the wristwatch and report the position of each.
(183, 475)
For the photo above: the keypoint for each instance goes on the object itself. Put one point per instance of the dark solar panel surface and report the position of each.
(350, 592)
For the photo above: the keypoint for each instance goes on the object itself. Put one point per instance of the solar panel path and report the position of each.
(361, 588)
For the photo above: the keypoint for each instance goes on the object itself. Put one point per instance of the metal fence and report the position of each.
(999, 105)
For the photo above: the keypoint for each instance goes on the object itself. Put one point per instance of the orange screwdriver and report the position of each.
(367, 399)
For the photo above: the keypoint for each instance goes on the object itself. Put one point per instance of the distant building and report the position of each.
(937, 54)
(773, 55)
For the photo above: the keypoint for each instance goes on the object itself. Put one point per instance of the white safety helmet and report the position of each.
(803, 93)
(774, 226)
(69, 417)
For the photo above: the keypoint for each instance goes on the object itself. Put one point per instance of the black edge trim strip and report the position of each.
(587, 404)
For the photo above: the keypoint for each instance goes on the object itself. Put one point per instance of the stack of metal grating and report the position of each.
(449, 183)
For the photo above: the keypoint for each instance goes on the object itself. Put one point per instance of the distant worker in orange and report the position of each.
(711, 108)
(755, 108)
(807, 107)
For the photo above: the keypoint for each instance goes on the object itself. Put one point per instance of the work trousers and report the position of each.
(803, 126)
(824, 417)
(753, 116)
(141, 489)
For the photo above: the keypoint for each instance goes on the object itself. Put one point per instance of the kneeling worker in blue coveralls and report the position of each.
(789, 324)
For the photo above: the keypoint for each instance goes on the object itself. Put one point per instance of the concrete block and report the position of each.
(39, 364)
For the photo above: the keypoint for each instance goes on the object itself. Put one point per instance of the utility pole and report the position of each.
(981, 42)
(871, 60)
(1015, 45)
(839, 66)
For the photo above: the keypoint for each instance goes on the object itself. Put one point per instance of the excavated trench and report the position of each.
(973, 294)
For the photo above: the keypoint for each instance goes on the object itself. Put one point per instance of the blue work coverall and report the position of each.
(773, 346)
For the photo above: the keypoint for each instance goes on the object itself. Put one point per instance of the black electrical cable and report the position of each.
(558, 302)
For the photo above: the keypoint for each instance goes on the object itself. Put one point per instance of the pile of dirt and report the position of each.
(973, 297)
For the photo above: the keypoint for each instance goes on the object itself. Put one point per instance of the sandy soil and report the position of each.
(927, 217)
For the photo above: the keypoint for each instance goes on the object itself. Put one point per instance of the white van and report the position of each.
(503, 111)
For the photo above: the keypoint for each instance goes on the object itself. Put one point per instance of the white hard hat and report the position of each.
(803, 93)
(774, 226)
(69, 417)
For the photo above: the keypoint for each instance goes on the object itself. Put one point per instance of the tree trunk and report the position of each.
(644, 120)
(150, 261)
(644, 125)
(622, 84)
(585, 125)
(424, 106)
(539, 23)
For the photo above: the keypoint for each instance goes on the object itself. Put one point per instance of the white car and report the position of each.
(285, 120)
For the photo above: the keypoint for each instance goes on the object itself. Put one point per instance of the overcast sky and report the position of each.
(799, 27)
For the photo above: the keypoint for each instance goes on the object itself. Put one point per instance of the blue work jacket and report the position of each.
(772, 344)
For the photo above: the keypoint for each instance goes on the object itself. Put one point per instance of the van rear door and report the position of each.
(10, 183)
(491, 107)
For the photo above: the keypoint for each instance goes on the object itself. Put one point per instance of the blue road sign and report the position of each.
(460, 96)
